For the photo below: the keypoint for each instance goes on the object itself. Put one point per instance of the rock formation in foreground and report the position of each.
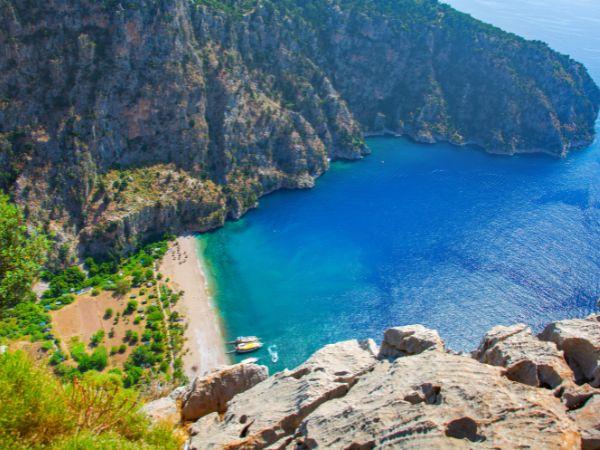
(120, 119)
(517, 390)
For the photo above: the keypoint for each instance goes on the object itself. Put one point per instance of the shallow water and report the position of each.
(453, 238)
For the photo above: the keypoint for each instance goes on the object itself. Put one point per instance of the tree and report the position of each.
(123, 286)
(22, 252)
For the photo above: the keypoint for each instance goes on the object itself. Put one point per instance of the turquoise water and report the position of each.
(453, 238)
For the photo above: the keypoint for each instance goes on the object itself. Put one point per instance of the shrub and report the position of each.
(131, 307)
(108, 313)
(142, 356)
(30, 410)
(122, 348)
(92, 413)
(137, 320)
(133, 375)
(97, 338)
(134, 338)
(122, 286)
(98, 360)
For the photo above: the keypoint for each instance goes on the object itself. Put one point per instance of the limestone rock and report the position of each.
(588, 420)
(242, 98)
(526, 359)
(162, 410)
(579, 339)
(439, 400)
(211, 393)
(273, 409)
(409, 340)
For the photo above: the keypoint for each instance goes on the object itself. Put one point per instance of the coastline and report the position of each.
(205, 343)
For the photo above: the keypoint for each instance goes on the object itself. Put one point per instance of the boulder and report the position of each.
(579, 339)
(409, 340)
(165, 409)
(162, 410)
(526, 359)
(272, 410)
(211, 393)
(438, 400)
(587, 419)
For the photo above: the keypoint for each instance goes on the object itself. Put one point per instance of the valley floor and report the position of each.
(205, 346)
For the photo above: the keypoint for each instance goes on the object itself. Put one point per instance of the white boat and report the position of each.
(244, 340)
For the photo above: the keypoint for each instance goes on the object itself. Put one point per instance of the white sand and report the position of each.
(205, 345)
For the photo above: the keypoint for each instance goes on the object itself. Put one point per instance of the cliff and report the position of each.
(517, 390)
(224, 101)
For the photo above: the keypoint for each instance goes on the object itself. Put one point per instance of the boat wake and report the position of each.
(273, 352)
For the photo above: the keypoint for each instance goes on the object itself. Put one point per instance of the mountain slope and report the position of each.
(122, 119)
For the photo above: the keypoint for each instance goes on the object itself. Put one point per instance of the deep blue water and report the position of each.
(452, 238)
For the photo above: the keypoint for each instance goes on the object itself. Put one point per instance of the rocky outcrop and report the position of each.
(438, 400)
(588, 421)
(210, 394)
(580, 342)
(526, 359)
(413, 393)
(273, 409)
(409, 340)
(240, 98)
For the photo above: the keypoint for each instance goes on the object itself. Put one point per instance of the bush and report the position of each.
(122, 348)
(134, 338)
(97, 338)
(30, 410)
(122, 286)
(131, 307)
(133, 375)
(142, 356)
(98, 360)
(92, 413)
(25, 319)
(108, 313)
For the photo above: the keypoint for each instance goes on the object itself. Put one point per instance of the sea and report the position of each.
(451, 238)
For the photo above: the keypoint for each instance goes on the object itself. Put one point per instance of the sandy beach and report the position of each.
(205, 345)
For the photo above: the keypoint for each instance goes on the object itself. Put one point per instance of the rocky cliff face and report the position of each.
(517, 390)
(235, 99)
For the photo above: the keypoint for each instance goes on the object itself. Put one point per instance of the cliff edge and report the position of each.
(517, 390)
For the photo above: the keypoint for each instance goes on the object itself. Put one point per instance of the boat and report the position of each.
(248, 347)
(244, 340)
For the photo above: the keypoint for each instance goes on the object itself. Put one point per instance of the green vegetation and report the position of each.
(131, 307)
(22, 252)
(22, 316)
(38, 411)
(97, 338)
(97, 360)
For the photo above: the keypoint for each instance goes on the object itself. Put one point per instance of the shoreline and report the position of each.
(205, 342)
